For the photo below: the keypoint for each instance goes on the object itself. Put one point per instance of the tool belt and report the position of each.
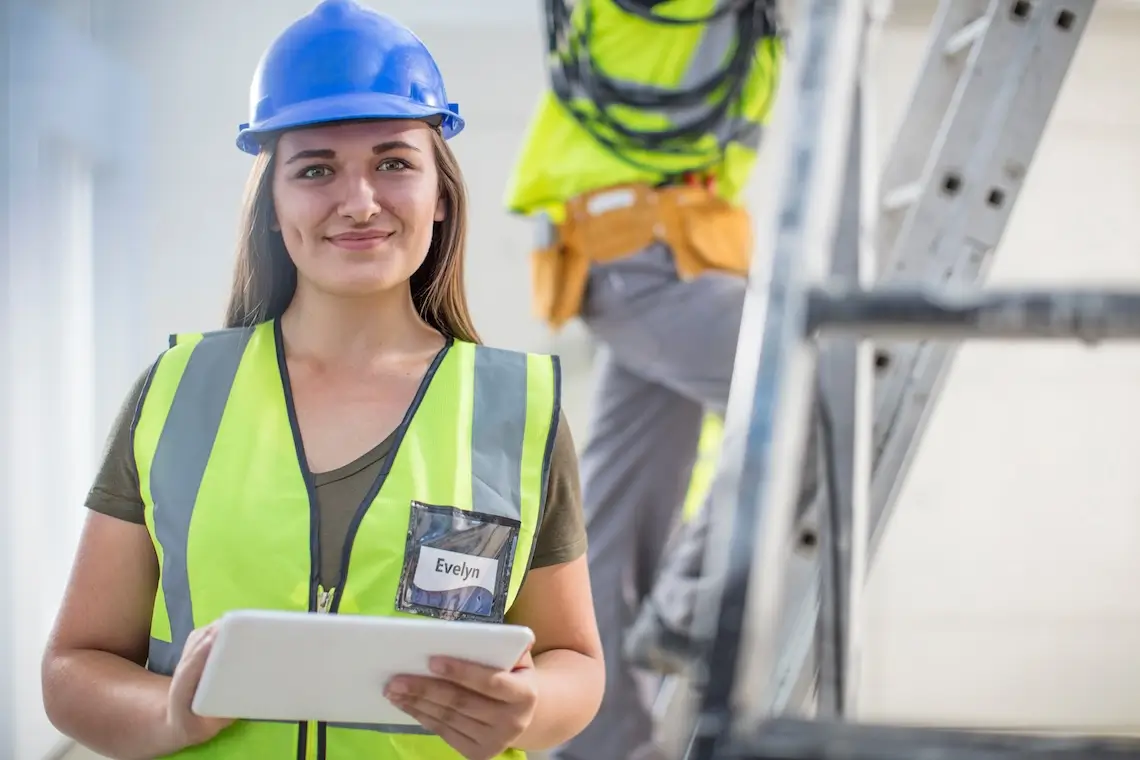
(703, 231)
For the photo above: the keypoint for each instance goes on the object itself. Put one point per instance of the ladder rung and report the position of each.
(902, 197)
(786, 738)
(966, 36)
(1090, 315)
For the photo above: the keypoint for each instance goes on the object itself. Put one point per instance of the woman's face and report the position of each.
(356, 203)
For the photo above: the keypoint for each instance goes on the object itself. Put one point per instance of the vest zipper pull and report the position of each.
(324, 600)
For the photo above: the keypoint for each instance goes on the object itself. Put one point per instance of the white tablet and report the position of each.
(298, 666)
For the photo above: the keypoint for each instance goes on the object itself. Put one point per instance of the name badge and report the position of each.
(457, 564)
(441, 570)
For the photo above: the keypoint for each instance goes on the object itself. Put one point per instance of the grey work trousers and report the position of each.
(667, 351)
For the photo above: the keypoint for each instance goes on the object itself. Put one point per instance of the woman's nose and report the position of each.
(359, 202)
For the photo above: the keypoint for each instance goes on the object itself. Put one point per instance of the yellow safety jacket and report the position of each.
(229, 506)
(560, 160)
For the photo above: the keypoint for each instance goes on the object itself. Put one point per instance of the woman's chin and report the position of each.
(358, 283)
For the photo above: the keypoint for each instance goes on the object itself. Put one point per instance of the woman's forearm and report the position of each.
(108, 704)
(570, 686)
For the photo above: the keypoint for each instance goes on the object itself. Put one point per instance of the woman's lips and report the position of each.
(359, 241)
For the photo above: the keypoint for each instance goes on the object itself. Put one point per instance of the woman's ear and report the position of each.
(441, 209)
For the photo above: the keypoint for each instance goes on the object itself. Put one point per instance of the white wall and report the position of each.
(74, 231)
(984, 582)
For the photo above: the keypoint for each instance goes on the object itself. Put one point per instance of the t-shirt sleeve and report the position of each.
(561, 536)
(115, 491)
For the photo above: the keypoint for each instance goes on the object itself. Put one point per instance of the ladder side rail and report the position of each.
(769, 405)
(864, 397)
(776, 372)
(836, 400)
(840, 434)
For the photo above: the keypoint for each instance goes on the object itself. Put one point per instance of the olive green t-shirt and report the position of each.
(561, 537)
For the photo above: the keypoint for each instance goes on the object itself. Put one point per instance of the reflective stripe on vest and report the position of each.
(220, 475)
(176, 473)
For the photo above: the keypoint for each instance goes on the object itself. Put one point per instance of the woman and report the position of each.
(343, 430)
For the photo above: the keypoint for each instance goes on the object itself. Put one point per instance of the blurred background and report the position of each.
(1005, 591)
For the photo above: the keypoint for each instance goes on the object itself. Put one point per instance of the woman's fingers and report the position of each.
(466, 745)
(191, 665)
(197, 664)
(443, 697)
(459, 711)
(495, 684)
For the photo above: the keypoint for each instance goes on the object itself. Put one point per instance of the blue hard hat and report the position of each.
(342, 62)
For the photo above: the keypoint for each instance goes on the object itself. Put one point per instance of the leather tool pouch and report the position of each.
(706, 233)
(558, 276)
(703, 231)
(601, 226)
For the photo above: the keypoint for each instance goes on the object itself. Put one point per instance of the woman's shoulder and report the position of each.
(562, 533)
(564, 452)
(115, 491)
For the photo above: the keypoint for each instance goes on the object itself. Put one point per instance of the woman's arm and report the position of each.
(556, 603)
(96, 688)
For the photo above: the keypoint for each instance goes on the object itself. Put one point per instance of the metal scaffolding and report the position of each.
(861, 250)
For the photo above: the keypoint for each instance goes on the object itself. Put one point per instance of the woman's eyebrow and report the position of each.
(312, 153)
(328, 154)
(384, 147)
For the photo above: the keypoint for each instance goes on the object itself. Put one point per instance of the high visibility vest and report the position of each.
(229, 508)
(560, 160)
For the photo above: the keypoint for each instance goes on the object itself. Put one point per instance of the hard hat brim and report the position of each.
(348, 107)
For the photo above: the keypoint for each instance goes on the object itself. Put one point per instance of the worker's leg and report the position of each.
(660, 638)
(674, 344)
(635, 464)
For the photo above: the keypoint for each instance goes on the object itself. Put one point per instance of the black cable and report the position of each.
(831, 486)
(574, 76)
(644, 9)
(606, 92)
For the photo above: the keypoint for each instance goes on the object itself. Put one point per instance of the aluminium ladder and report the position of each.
(991, 74)
(953, 176)
(820, 112)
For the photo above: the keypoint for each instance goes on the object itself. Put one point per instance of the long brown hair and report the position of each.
(265, 278)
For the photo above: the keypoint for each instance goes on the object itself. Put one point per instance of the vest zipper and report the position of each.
(314, 735)
(311, 743)
(324, 600)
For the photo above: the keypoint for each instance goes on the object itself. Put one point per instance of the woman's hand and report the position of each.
(479, 711)
(186, 728)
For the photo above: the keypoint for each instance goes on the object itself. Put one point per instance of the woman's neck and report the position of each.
(355, 332)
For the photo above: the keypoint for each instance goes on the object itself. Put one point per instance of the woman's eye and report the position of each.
(392, 164)
(314, 172)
